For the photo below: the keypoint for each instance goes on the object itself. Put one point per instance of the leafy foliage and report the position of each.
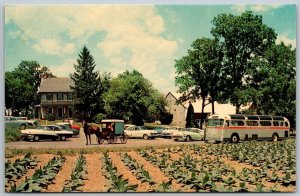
(118, 184)
(77, 176)
(190, 117)
(50, 117)
(89, 86)
(132, 97)
(16, 170)
(41, 178)
(21, 86)
(12, 133)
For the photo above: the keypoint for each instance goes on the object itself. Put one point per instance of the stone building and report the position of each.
(179, 111)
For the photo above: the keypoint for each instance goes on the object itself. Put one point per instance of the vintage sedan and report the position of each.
(167, 132)
(13, 122)
(141, 132)
(53, 132)
(188, 134)
(67, 126)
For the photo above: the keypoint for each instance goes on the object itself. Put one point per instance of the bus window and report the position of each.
(275, 123)
(281, 124)
(236, 123)
(215, 122)
(265, 123)
(252, 123)
(286, 124)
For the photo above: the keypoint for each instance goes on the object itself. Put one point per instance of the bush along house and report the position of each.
(56, 98)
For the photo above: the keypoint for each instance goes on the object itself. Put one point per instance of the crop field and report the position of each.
(243, 167)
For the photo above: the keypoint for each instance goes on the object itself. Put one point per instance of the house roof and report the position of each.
(60, 84)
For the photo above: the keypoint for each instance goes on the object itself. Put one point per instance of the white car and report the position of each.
(140, 132)
(188, 134)
(46, 132)
(168, 131)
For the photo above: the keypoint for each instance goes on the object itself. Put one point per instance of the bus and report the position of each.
(239, 127)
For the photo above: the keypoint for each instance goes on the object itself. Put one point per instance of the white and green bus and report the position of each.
(239, 127)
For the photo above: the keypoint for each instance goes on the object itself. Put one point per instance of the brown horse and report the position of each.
(90, 129)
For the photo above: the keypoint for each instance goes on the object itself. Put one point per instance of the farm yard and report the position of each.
(243, 167)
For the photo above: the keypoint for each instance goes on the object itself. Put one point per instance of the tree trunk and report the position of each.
(203, 105)
(237, 108)
(212, 105)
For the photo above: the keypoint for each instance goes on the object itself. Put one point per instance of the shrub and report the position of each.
(99, 117)
(50, 117)
(12, 133)
(166, 118)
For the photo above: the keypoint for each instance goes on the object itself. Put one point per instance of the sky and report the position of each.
(148, 38)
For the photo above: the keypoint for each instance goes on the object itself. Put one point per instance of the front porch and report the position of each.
(60, 111)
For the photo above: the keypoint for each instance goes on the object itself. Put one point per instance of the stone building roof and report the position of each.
(54, 85)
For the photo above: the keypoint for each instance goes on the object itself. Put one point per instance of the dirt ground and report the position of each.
(80, 142)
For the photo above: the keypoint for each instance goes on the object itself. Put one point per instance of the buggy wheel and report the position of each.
(112, 138)
(123, 138)
(100, 140)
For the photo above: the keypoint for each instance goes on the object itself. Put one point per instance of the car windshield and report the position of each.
(143, 128)
(215, 122)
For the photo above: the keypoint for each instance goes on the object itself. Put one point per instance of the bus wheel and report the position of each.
(275, 137)
(235, 138)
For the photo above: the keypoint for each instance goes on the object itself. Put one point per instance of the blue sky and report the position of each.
(144, 37)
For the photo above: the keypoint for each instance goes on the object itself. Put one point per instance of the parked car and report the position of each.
(140, 132)
(188, 134)
(12, 121)
(66, 126)
(128, 125)
(53, 132)
(32, 122)
(159, 130)
(168, 131)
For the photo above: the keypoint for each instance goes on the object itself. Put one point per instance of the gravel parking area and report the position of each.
(80, 142)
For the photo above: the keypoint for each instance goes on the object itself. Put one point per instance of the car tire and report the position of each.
(235, 138)
(275, 137)
(63, 138)
(36, 138)
(188, 138)
(22, 127)
(145, 136)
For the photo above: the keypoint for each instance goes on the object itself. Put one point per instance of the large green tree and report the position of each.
(272, 83)
(132, 97)
(88, 86)
(199, 74)
(243, 38)
(21, 85)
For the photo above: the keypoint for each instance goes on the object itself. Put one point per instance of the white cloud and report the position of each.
(257, 8)
(133, 35)
(64, 69)
(53, 47)
(287, 41)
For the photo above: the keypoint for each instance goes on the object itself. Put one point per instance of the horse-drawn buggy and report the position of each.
(111, 130)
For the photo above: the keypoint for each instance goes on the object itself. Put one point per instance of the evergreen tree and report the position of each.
(87, 85)
(190, 117)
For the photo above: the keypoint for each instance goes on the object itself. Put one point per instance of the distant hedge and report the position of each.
(12, 133)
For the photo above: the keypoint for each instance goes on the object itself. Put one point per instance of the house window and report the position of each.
(70, 96)
(49, 97)
(59, 96)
